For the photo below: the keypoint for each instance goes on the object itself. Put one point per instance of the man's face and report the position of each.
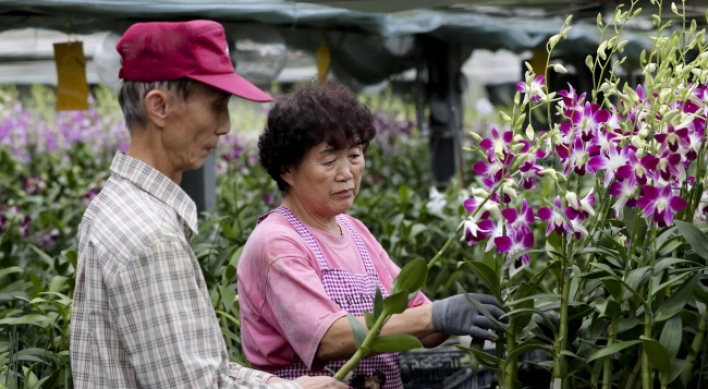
(194, 126)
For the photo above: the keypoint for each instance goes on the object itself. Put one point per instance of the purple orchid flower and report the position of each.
(625, 192)
(477, 231)
(519, 220)
(615, 163)
(589, 120)
(660, 204)
(532, 88)
(579, 209)
(556, 222)
(518, 240)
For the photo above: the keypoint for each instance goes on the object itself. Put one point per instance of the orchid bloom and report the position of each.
(579, 209)
(519, 220)
(532, 88)
(556, 222)
(517, 241)
(615, 163)
(625, 192)
(660, 204)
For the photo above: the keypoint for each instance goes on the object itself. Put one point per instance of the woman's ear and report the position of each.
(157, 103)
(287, 175)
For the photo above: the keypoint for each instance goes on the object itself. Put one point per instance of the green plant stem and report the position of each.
(229, 344)
(687, 373)
(646, 371)
(510, 365)
(633, 375)
(446, 245)
(562, 339)
(365, 348)
(607, 363)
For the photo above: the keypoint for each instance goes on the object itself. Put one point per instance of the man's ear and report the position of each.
(157, 104)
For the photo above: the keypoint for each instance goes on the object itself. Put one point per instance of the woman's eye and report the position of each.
(330, 163)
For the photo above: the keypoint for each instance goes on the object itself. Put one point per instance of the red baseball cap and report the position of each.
(163, 51)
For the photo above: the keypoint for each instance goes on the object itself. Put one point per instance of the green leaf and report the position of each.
(658, 356)
(525, 348)
(523, 291)
(411, 278)
(396, 303)
(677, 367)
(532, 310)
(10, 270)
(694, 237)
(614, 287)
(671, 336)
(369, 318)
(378, 303)
(609, 350)
(700, 294)
(488, 276)
(395, 343)
(358, 331)
(57, 283)
(228, 297)
(484, 358)
(33, 319)
(674, 304)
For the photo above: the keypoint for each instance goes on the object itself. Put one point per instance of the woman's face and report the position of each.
(327, 180)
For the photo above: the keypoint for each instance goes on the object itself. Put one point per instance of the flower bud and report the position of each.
(590, 63)
(674, 9)
(656, 19)
(572, 200)
(476, 136)
(565, 31)
(505, 117)
(554, 40)
(479, 192)
(643, 132)
(621, 45)
(569, 19)
(599, 19)
(558, 68)
(601, 50)
(530, 132)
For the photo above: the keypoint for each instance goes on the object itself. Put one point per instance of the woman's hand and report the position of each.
(458, 316)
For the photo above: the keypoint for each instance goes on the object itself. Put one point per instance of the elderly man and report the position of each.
(142, 317)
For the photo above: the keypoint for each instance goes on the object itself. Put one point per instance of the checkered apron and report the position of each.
(355, 294)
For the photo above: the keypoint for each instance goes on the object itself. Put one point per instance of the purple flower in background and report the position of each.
(660, 204)
(615, 163)
(532, 88)
(589, 120)
(625, 192)
(579, 208)
(555, 220)
(24, 227)
(34, 185)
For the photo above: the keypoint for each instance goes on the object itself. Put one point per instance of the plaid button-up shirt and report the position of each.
(142, 317)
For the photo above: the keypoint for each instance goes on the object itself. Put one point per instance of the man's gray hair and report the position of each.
(132, 97)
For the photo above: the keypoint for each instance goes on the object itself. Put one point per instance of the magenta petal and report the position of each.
(676, 203)
(615, 189)
(650, 192)
(481, 167)
(597, 162)
(571, 213)
(540, 80)
(557, 202)
(544, 213)
(528, 240)
(660, 137)
(486, 144)
(470, 204)
(503, 243)
(674, 159)
(624, 172)
(602, 116)
(510, 214)
(508, 137)
(650, 162)
(521, 86)
(486, 226)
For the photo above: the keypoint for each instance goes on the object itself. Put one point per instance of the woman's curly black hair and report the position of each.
(314, 113)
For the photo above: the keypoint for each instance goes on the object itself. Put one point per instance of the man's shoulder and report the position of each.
(124, 219)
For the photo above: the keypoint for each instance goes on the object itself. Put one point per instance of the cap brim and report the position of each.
(234, 84)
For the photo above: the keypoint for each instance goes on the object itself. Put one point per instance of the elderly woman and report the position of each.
(307, 264)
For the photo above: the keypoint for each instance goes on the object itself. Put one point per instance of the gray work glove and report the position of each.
(458, 316)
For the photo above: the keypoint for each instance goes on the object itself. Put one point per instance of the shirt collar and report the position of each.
(157, 184)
